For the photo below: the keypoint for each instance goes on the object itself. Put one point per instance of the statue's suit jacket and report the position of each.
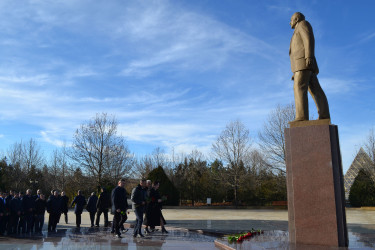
(302, 46)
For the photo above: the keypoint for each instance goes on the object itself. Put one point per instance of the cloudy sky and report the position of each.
(174, 73)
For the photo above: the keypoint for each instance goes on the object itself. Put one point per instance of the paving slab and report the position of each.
(190, 229)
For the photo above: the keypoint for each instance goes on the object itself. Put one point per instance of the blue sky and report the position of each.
(174, 73)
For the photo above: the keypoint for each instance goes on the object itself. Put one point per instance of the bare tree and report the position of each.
(58, 168)
(98, 148)
(369, 147)
(54, 169)
(15, 154)
(272, 140)
(233, 147)
(144, 166)
(31, 155)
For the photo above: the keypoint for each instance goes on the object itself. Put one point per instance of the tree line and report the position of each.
(237, 170)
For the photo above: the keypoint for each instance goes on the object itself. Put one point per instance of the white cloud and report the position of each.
(190, 41)
(47, 138)
(337, 86)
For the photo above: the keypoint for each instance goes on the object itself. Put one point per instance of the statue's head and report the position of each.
(297, 17)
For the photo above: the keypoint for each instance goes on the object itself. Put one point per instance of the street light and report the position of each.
(34, 183)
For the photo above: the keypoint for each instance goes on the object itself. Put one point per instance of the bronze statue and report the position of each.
(305, 69)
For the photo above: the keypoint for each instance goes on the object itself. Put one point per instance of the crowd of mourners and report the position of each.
(24, 213)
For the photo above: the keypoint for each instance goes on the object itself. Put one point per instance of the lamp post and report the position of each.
(34, 183)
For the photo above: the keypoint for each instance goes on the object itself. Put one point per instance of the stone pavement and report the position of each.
(190, 229)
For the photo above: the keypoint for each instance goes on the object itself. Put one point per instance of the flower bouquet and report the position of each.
(238, 238)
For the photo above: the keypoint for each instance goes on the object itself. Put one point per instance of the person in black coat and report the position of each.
(7, 219)
(54, 210)
(2, 213)
(64, 205)
(91, 207)
(155, 217)
(22, 219)
(119, 206)
(80, 202)
(28, 203)
(104, 202)
(15, 213)
(138, 198)
(40, 209)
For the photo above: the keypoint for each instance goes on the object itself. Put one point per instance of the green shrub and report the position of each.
(166, 186)
(362, 192)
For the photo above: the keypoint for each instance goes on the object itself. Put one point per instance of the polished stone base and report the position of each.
(101, 238)
(277, 239)
(316, 203)
(193, 229)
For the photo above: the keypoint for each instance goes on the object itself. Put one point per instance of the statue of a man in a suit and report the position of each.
(305, 69)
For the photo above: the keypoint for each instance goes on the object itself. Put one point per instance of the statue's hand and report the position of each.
(309, 61)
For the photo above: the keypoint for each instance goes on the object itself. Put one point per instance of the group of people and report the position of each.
(24, 213)
(147, 206)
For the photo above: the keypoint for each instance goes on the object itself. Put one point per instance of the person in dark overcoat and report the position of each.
(28, 203)
(54, 210)
(40, 209)
(80, 202)
(2, 213)
(22, 220)
(64, 205)
(7, 220)
(15, 213)
(156, 217)
(91, 207)
(119, 206)
(104, 202)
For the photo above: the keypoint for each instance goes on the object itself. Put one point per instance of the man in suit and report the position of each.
(119, 206)
(305, 69)
(80, 202)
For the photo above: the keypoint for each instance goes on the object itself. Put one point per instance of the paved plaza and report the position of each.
(191, 229)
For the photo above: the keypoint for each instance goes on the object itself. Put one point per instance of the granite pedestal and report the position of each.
(316, 202)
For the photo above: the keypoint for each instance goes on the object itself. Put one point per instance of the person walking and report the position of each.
(79, 202)
(54, 210)
(156, 217)
(91, 207)
(40, 209)
(119, 206)
(104, 202)
(64, 206)
(147, 207)
(138, 197)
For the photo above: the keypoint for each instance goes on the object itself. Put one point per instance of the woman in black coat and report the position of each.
(156, 217)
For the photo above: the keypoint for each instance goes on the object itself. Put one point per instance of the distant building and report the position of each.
(361, 161)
